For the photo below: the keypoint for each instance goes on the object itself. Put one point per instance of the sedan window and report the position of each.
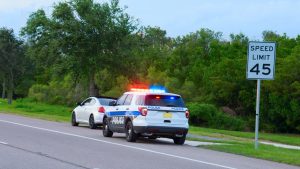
(105, 101)
(93, 101)
(86, 102)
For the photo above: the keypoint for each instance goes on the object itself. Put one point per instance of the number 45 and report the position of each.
(266, 69)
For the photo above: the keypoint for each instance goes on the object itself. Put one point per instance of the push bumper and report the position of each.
(160, 131)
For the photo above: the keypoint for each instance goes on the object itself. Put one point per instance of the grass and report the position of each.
(242, 143)
(236, 142)
(266, 152)
(28, 108)
(290, 139)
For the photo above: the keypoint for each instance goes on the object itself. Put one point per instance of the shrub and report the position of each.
(201, 114)
(209, 116)
(39, 92)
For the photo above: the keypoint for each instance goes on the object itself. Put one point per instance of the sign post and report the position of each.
(260, 66)
(257, 113)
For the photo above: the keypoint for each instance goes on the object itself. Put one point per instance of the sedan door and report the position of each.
(81, 110)
(88, 109)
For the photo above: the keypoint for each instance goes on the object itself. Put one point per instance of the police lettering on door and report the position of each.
(261, 60)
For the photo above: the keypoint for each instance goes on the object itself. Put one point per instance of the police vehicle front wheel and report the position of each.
(179, 140)
(106, 131)
(131, 136)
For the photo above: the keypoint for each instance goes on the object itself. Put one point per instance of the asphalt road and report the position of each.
(27, 143)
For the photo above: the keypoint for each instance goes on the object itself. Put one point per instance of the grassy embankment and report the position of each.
(37, 110)
(242, 143)
(236, 142)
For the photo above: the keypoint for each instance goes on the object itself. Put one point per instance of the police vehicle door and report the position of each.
(117, 114)
(127, 111)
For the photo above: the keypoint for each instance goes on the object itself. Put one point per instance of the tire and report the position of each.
(152, 137)
(73, 120)
(106, 131)
(179, 140)
(131, 136)
(92, 122)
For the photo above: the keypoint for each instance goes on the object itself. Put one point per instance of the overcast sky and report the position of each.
(180, 17)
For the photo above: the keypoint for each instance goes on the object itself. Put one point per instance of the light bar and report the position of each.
(139, 90)
(151, 89)
(157, 91)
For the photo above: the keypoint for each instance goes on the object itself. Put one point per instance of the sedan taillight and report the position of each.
(101, 109)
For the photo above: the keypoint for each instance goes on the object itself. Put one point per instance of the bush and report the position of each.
(57, 92)
(39, 93)
(201, 114)
(209, 116)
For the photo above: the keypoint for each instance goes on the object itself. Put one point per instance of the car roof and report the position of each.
(104, 97)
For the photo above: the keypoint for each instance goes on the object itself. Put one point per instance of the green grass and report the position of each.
(28, 108)
(291, 139)
(266, 152)
(235, 141)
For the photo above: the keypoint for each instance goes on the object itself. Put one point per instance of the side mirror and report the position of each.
(112, 103)
(78, 103)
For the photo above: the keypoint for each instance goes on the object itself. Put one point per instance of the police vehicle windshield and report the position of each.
(164, 100)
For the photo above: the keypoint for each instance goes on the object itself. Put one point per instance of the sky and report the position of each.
(181, 17)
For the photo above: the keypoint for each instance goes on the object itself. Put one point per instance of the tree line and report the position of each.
(84, 48)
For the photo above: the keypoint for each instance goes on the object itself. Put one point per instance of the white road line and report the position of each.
(127, 146)
(3, 143)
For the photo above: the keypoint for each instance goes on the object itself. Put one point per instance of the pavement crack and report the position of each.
(46, 156)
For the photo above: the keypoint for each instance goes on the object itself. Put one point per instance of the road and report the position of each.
(27, 143)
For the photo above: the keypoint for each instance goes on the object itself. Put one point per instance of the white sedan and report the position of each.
(91, 111)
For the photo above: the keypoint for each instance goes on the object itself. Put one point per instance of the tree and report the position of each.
(11, 61)
(81, 36)
(2, 77)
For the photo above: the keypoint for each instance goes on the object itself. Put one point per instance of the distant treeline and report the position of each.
(86, 49)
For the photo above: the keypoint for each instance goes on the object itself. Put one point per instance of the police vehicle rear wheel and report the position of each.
(179, 140)
(152, 137)
(106, 131)
(92, 122)
(131, 136)
(73, 120)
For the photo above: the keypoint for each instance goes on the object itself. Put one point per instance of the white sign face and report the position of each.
(261, 60)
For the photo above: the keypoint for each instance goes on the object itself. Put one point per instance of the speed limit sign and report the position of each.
(261, 60)
(261, 66)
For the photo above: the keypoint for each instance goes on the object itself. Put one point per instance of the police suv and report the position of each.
(147, 113)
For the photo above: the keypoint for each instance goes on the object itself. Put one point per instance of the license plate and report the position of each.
(167, 115)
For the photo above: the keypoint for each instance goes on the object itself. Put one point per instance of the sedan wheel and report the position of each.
(73, 120)
(92, 122)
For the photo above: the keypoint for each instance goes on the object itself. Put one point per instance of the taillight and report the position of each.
(187, 114)
(143, 111)
(101, 109)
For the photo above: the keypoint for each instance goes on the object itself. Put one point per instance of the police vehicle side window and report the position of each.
(121, 99)
(128, 99)
(139, 99)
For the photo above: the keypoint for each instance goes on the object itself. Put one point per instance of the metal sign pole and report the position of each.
(257, 113)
